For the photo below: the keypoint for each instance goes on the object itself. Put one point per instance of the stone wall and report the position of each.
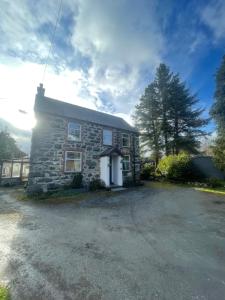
(49, 143)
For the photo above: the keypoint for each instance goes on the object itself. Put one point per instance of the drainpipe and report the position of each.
(1, 169)
(134, 170)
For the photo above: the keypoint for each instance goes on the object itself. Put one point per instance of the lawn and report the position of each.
(168, 185)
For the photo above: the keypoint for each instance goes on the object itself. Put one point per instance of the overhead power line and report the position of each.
(52, 39)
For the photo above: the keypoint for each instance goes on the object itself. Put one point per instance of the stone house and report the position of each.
(69, 139)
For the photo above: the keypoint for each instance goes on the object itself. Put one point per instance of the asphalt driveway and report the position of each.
(162, 242)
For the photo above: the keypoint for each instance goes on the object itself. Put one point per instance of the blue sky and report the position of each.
(105, 52)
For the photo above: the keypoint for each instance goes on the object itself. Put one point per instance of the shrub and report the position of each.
(96, 184)
(4, 293)
(179, 168)
(77, 181)
(215, 182)
(173, 166)
(147, 172)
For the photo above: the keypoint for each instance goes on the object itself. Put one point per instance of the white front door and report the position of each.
(111, 170)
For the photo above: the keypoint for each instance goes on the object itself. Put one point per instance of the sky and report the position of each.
(105, 52)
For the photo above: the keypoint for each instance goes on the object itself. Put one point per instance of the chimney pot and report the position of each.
(40, 90)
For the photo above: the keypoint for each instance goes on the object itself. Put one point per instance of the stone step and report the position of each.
(117, 189)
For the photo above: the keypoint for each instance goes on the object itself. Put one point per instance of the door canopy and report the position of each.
(111, 151)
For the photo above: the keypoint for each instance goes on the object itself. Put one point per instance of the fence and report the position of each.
(14, 171)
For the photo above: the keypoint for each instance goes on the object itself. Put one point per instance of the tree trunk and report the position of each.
(176, 135)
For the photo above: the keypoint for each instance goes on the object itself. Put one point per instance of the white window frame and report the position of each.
(73, 159)
(73, 138)
(127, 161)
(109, 130)
(128, 138)
(5, 166)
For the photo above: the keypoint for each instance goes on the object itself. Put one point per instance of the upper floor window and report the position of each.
(107, 137)
(72, 161)
(74, 131)
(125, 140)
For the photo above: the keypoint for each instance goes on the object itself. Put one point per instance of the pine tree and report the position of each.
(185, 120)
(162, 86)
(167, 116)
(218, 113)
(147, 119)
(219, 152)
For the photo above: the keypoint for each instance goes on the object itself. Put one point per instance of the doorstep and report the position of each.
(117, 189)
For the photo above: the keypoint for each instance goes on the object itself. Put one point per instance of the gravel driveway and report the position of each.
(158, 242)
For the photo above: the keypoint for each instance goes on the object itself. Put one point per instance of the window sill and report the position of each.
(72, 172)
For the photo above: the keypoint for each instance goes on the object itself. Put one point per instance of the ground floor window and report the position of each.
(126, 163)
(6, 169)
(73, 161)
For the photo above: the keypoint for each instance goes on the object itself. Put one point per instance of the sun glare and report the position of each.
(19, 118)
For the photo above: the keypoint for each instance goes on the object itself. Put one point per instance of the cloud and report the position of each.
(101, 50)
(120, 42)
(18, 25)
(213, 15)
(105, 52)
(27, 28)
(19, 81)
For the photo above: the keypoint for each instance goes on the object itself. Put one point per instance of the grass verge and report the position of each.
(4, 293)
(65, 196)
(218, 191)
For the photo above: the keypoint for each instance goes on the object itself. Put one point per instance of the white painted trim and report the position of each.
(104, 170)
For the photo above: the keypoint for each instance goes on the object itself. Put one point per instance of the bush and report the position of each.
(179, 168)
(147, 172)
(77, 181)
(4, 293)
(215, 182)
(96, 184)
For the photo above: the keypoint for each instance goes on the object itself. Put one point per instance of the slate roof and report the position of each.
(60, 108)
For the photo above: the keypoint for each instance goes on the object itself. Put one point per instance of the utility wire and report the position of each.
(52, 39)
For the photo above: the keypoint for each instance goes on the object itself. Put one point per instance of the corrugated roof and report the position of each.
(64, 109)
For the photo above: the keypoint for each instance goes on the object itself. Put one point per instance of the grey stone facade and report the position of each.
(50, 141)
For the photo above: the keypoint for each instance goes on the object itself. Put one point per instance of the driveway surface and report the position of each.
(158, 242)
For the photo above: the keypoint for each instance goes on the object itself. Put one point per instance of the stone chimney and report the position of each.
(40, 90)
(39, 96)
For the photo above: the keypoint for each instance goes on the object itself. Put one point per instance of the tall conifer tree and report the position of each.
(167, 115)
(162, 86)
(147, 118)
(185, 118)
(218, 113)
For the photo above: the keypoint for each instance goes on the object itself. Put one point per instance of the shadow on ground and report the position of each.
(155, 242)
